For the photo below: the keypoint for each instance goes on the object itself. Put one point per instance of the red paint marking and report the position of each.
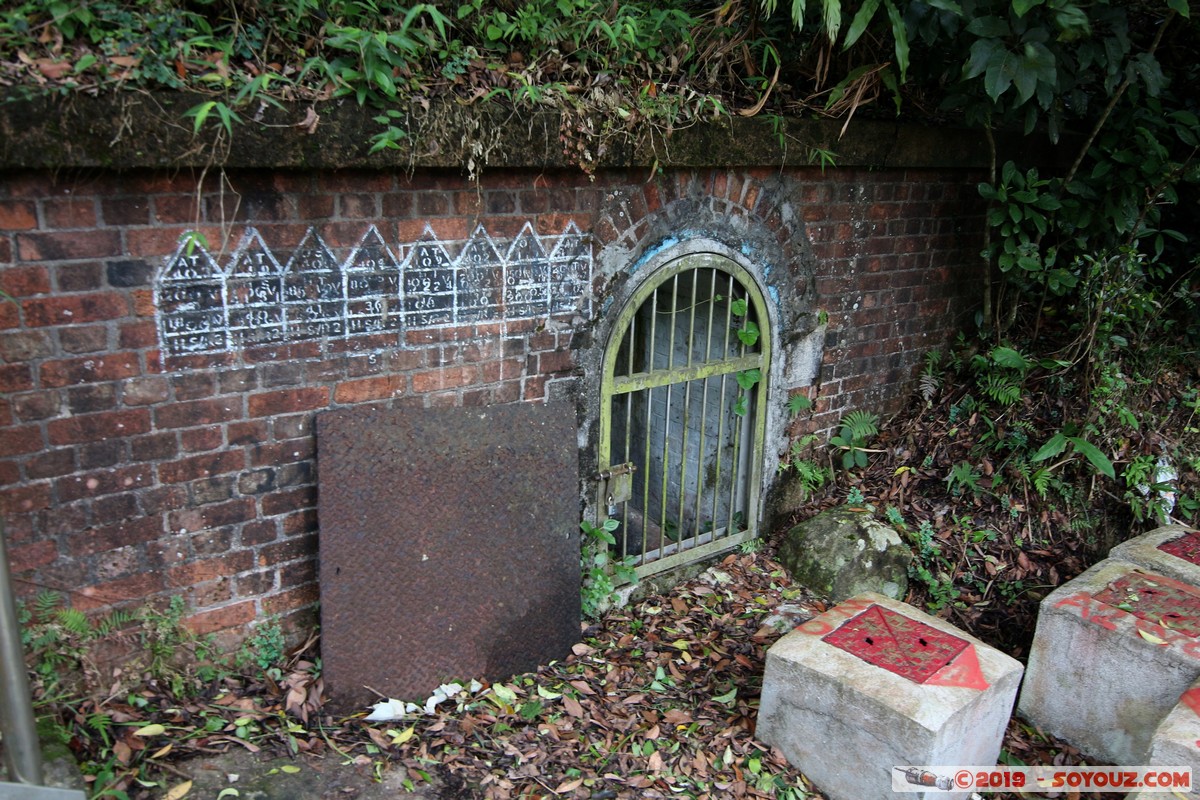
(899, 644)
(1191, 699)
(1186, 547)
(963, 671)
(815, 627)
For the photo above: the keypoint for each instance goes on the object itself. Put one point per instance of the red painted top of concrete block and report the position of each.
(1186, 547)
(1156, 600)
(906, 647)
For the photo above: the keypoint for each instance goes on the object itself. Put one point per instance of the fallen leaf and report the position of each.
(153, 729)
(572, 706)
(569, 786)
(1151, 638)
(178, 791)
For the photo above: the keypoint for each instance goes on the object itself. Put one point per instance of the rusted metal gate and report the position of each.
(683, 409)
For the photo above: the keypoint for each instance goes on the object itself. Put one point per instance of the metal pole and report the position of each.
(21, 754)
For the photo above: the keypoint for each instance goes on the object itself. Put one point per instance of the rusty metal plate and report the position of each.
(903, 646)
(1186, 547)
(1156, 600)
(449, 545)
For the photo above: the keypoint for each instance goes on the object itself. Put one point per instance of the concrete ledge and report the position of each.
(1168, 550)
(873, 684)
(135, 130)
(1114, 650)
(1176, 742)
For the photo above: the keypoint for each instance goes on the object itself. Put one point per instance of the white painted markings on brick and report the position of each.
(256, 298)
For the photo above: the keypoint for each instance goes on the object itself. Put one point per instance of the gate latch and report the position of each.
(616, 483)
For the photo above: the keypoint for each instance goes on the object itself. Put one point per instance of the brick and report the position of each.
(255, 584)
(115, 507)
(445, 378)
(272, 376)
(89, 370)
(103, 482)
(259, 532)
(369, 389)
(161, 499)
(199, 440)
(212, 490)
(15, 378)
(282, 452)
(25, 281)
(154, 447)
(300, 522)
(92, 398)
(250, 432)
(67, 246)
(237, 380)
(201, 466)
(296, 426)
(197, 412)
(96, 427)
(28, 557)
(125, 210)
(298, 573)
(137, 335)
(25, 345)
(209, 569)
(289, 501)
(130, 273)
(194, 385)
(94, 455)
(291, 599)
(84, 338)
(110, 537)
(289, 401)
(79, 277)
(18, 441)
(145, 390)
(210, 593)
(287, 550)
(9, 314)
(69, 212)
(237, 615)
(17, 215)
(212, 542)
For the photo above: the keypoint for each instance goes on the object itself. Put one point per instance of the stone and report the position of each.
(1176, 741)
(1114, 650)
(843, 552)
(874, 684)
(1172, 550)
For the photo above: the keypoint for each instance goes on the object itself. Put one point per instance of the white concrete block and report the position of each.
(1172, 550)
(1176, 743)
(873, 684)
(1113, 651)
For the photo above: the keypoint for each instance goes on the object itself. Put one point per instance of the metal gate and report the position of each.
(683, 409)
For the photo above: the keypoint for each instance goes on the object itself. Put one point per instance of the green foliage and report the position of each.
(857, 429)
(963, 477)
(602, 572)
(265, 647)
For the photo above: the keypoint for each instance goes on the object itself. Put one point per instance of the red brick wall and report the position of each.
(126, 474)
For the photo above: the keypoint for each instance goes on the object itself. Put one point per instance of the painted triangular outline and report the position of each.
(312, 242)
(527, 234)
(372, 238)
(252, 241)
(964, 671)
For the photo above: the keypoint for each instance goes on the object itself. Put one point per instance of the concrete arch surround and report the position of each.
(773, 251)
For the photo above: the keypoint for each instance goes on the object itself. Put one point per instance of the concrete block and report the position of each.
(873, 684)
(1114, 650)
(1176, 743)
(1172, 550)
